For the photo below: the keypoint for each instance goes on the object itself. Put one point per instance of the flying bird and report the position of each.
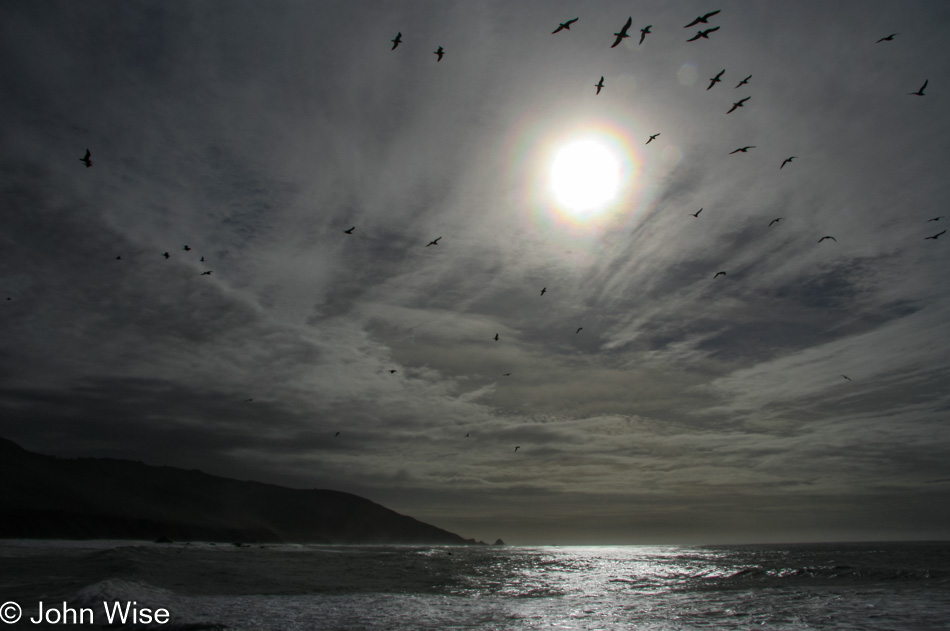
(622, 33)
(517, 447)
(186, 248)
(579, 329)
(440, 53)
(433, 242)
(166, 255)
(496, 337)
(718, 273)
(248, 400)
(651, 138)
(644, 32)
(543, 290)
(744, 81)
(846, 377)
(337, 434)
(397, 40)
(738, 104)
(920, 92)
(935, 219)
(392, 371)
(714, 80)
(86, 159)
(889, 38)
(742, 149)
(787, 160)
(696, 214)
(350, 231)
(704, 19)
(208, 273)
(202, 259)
(599, 85)
(776, 220)
(507, 374)
(827, 237)
(703, 34)
(466, 434)
(936, 236)
(564, 26)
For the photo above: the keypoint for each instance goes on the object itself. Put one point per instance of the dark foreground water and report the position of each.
(204, 586)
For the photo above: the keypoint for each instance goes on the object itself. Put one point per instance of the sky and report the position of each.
(801, 396)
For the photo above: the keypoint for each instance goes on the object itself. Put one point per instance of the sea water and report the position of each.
(207, 586)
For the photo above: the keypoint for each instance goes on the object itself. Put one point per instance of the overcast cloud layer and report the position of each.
(688, 409)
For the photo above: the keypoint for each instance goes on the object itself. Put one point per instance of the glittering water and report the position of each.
(831, 586)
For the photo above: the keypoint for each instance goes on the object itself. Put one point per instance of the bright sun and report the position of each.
(585, 176)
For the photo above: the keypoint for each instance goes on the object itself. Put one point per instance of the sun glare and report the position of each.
(585, 176)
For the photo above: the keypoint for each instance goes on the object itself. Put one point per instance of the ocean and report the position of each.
(867, 586)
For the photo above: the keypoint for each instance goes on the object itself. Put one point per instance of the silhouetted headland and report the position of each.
(103, 498)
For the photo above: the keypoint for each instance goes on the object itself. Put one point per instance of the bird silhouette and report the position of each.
(579, 329)
(846, 377)
(86, 159)
(744, 81)
(466, 434)
(248, 400)
(544, 290)
(718, 274)
(350, 231)
(889, 38)
(118, 258)
(936, 236)
(776, 220)
(696, 214)
(166, 255)
(397, 40)
(714, 80)
(742, 149)
(208, 273)
(496, 337)
(644, 32)
(186, 248)
(935, 219)
(599, 85)
(392, 371)
(202, 259)
(827, 237)
(623, 33)
(564, 26)
(337, 434)
(507, 374)
(651, 138)
(704, 19)
(703, 34)
(440, 53)
(738, 104)
(787, 160)
(920, 92)
(433, 242)
(517, 447)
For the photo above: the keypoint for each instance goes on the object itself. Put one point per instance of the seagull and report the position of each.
(466, 434)
(846, 377)
(718, 273)
(517, 447)
(392, 371)
(337, 434)
(920, 92)
(703, 19)
(166, 255)
(599, 85)
(564, 26)
(350, 231)
(433, 242)
(397, 41)
(186, 248)
(742, 149)
(776, 220)
(696, 214)
(703, 34)
(889, 38)
(507, 374)
(543, 290)
(827, 237)
(248, 400)
(936, 236)
(744, 81)
(651, 138)
(496, 337)
(579, 329)
(622, 33)
(935, 219)
(440, 53)
(202, 259)
(787, 160)
(208, 273)
(738, 104)
(714, 80)
(644, 32)
(87, 159)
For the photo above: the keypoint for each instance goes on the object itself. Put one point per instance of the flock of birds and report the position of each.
(619, 37)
